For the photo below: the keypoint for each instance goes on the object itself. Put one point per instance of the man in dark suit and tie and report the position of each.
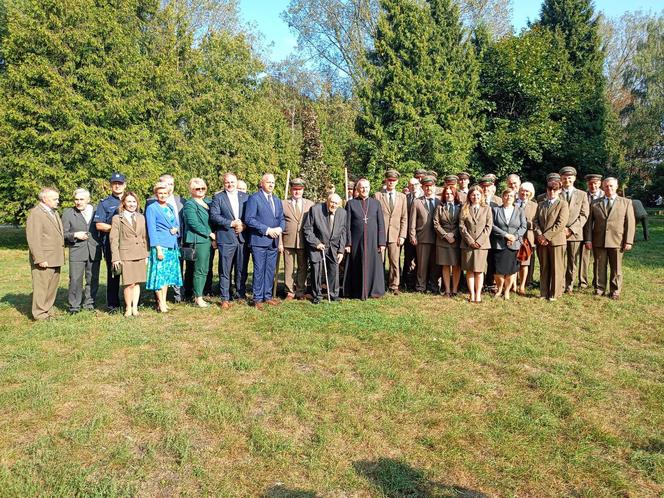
(85, 244)
(46, 243)
(264, 217)
(226, 212)
(325, 235)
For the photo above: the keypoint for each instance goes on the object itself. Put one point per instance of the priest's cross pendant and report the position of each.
(366, 219)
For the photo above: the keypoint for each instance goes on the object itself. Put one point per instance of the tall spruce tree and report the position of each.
(587, 143)
(417, 103)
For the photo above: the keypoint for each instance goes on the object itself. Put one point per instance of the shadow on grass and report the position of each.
(23, 302)
(284, 492)
(396, 479)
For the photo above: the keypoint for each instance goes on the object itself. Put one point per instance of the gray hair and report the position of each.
(45, 191)
(165, 177)
(529, 187)
(610, 179)
(82, 191)
(334, 198)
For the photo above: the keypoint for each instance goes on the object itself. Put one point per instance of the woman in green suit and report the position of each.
(198, 235)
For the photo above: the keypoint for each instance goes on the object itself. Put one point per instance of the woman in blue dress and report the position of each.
(164, 263)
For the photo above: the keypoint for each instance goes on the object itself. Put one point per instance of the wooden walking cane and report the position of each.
(327, 282)
(276, 271)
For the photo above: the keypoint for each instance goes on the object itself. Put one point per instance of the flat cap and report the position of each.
(568, 170)
(451, 179)
(462, 174)
(419, 172)
(552, 177)
(487, 180)
(392, 174)
(428, 180)
(593, 176)
(297, 183)
(432, 173)
(117, 177)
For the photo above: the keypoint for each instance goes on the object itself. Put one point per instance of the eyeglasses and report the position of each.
(200, 188)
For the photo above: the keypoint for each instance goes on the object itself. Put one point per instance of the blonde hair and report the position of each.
(159, 186)
(465, 210)
(196, 182)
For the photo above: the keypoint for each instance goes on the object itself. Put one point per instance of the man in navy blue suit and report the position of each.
(264, 216)
(226, 213)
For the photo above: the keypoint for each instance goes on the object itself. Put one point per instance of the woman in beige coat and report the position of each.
(446, 224)
(129, 250)
(475, 223)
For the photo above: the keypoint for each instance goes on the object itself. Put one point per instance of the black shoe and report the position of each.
(73, 311)
(315, 301)
(336, 299)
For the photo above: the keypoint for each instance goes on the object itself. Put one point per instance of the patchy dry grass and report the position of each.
(403, 396)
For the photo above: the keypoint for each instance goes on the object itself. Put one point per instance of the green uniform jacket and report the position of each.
(197, 221)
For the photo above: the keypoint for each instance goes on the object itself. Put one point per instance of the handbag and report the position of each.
(525, 251)
(189, 253)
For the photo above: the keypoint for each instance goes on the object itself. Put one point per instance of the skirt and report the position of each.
(164, 272)
(474, 260)
(133, 272)
(506, 262)
(447, 255)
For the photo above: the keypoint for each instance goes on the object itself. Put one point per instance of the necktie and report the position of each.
(391, 201)
(430, 205)
(450, 209)
(274, 213)
(568, 196)
(133, 221)
(298, 211)
(609, 205)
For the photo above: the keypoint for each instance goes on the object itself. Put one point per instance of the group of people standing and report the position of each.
(443, 232)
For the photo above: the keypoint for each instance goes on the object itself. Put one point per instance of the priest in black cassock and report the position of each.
(364, 274)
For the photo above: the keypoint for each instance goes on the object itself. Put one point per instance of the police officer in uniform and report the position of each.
(106, 209)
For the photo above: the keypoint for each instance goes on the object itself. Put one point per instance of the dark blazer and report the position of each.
(197, 222)
(221, 217)
(81, 250)
(259, 217)
(128, 244)
(317, 231)
(516, 225)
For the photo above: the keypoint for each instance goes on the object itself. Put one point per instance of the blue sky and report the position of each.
(264, 14)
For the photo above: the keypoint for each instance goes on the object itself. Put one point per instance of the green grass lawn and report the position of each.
(399, 397)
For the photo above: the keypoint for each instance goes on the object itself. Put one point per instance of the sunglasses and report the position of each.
(200, 188)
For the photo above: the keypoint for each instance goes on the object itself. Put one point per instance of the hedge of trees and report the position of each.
(181, 86)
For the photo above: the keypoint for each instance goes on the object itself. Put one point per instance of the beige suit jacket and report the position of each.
(579, 208)
(128, 244)
(475, 228)
(46, 240)
(396, 220)
(614, 229)
(551, 222)
(421, 221)
(293, 236)
(445, 224)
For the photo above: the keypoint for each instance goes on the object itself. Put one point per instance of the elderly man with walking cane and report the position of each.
(325, 235)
